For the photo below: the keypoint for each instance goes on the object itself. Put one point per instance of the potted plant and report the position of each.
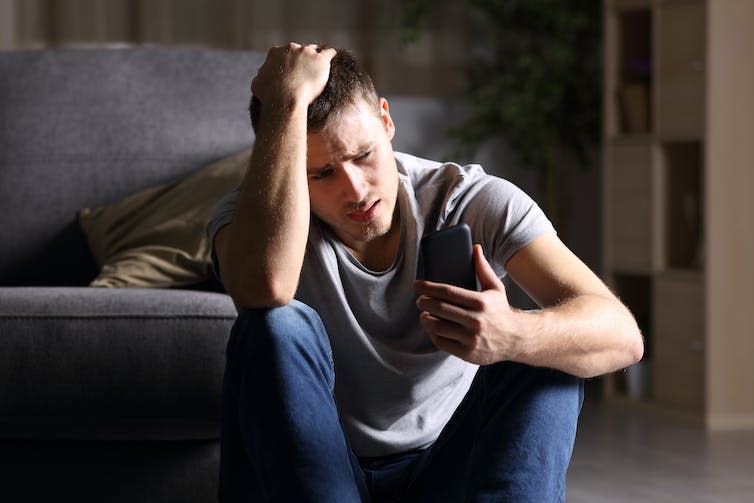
(534, 83)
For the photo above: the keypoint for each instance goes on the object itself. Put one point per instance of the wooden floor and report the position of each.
(628, 453)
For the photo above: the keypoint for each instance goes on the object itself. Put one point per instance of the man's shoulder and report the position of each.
(454, 186)
(411, 165)
(424, 172)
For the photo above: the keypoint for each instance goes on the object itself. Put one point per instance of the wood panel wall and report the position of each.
(435, 66)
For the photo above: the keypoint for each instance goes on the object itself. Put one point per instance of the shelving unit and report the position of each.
(678, 141)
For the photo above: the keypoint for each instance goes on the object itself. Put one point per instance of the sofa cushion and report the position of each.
(85, 127)
(156, 238)
(116, 364)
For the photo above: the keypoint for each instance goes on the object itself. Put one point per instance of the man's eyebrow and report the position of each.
(318, 169)
(361, 150)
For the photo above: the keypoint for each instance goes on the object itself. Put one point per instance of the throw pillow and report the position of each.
(156, 238)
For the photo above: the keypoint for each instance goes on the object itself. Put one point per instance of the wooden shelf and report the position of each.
(677, 185)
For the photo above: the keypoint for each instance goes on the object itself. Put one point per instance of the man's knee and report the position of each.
(551, 387)
(558, 392)
(285, 332)
(540, 398)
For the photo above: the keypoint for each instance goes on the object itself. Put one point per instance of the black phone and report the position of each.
(446, 257)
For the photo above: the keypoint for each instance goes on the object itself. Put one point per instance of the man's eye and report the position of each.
(321, 175)
(364, 155)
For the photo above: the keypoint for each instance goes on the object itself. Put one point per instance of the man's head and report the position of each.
(351, 170)
(352, 174)
(348, 84)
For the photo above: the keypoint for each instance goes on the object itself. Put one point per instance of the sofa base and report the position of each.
(128, 472)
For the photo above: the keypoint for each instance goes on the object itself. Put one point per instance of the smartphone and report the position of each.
(446, 257)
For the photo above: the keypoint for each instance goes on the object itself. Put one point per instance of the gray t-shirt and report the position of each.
(394, 389)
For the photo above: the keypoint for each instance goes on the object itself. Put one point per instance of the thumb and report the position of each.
(488, 280)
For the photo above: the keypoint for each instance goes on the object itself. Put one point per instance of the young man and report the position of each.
(347, 379)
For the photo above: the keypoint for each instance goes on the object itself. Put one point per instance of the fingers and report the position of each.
(447, 293)
(458, 345)
(451, 338)
(293, 46)
(487, 276)
(292, 74)
(447, 311)
(442, 327)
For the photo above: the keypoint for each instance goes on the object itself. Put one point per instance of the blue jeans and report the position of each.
(282, 440)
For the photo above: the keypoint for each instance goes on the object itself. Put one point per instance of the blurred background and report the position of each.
(371, 28)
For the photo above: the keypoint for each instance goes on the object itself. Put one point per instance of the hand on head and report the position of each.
(292, 74)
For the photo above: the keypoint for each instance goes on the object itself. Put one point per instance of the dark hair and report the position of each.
(346, 84)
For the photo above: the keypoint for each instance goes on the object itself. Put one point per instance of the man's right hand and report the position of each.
(292, 75)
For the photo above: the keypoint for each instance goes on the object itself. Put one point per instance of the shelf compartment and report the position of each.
(634, 86)
(678, 367)
(684, 205)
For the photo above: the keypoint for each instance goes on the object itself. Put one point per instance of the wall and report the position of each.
(435, 66)
(7, 24)
(730, 242)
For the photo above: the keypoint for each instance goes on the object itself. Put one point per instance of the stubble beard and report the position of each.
(380, 228)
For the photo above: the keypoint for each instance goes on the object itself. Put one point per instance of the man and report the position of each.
(347, 379)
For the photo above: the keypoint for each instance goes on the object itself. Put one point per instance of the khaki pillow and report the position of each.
(156, 238)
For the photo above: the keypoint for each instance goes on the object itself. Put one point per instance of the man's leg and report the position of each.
(510, 440)
(281, 436)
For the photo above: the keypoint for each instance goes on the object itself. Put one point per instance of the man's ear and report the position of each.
(386, 119)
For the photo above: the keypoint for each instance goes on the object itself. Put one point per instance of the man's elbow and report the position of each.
(636, 347)
(626, 349)
(261, 294)
(257, 300)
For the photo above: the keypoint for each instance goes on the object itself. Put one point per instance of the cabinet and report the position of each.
(678, 179)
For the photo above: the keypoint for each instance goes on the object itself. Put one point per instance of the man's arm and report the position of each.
(261, 251)
(583, 329)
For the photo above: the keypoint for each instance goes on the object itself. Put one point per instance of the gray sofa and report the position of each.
(107, 394)
(113, 394)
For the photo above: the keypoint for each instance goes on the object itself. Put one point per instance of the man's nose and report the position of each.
(354, 183)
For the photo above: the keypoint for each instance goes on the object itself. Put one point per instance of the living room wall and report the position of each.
(434, 66)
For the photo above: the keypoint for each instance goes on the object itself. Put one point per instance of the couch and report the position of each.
(112, 394)
(107, 394)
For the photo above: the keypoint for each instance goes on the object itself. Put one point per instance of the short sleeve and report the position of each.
(221, 216)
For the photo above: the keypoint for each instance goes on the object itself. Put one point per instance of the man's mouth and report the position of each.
(366, 215)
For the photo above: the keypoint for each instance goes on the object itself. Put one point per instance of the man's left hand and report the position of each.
(479, 327)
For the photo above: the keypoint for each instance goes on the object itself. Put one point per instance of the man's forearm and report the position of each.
(262, 250)
(267, 239)
(586, 336)
(583, 329)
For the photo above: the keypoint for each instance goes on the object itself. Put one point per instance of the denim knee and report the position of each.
(539, 421)
(515, 433)
(282, 438)
(287, 334)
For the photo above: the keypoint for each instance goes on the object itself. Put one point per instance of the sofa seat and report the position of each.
(111, 364)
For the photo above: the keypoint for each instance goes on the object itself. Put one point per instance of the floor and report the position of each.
(633, 453)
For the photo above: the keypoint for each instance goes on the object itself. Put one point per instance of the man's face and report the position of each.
(353, 179)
